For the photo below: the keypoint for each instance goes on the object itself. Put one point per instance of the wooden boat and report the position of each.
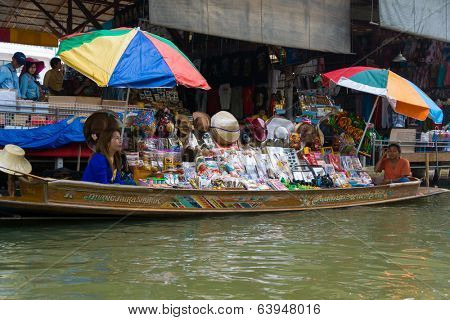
(65, 198)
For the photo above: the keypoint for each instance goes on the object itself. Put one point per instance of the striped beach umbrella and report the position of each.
(404, 96)
(129, 58)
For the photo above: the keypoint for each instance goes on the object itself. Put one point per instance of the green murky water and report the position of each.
(384, 252)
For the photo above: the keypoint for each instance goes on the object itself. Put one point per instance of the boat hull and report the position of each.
(80, 199)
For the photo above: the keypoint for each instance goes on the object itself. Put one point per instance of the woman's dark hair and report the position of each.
(54, 62)
(102, 146)
(28, 65)
(395, 145)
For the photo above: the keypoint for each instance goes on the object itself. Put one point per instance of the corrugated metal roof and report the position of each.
(28, 14)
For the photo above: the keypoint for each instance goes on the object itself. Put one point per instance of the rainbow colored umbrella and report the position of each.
(404, 96)
(129, 58)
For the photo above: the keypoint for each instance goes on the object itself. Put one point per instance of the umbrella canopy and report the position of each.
(404, 96)
(129, 58)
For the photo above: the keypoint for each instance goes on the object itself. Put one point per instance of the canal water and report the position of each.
(400, 251)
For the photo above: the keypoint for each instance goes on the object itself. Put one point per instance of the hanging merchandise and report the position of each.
(315, 107)
(225, 96)
(262, 63)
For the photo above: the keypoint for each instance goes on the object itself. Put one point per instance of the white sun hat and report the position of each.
(12, 157)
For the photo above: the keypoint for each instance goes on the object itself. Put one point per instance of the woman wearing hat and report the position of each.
(104, 166)
(29, 89)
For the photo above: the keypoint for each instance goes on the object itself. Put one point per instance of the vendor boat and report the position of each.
(41, 197)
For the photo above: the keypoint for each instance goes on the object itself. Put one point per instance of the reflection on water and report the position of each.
(392, 252)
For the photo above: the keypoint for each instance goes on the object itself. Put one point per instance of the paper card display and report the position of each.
(335, 160)
(329, 169)
(318, 171)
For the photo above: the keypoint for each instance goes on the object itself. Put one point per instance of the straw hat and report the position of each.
(184, 125)
(202, 121)
(97, 122)
(13, 157)
(308, 132)
(225, 128)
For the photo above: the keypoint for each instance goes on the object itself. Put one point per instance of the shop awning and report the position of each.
(425, 18)
(322, 25)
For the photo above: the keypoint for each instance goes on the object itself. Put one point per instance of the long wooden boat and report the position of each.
(65, 198)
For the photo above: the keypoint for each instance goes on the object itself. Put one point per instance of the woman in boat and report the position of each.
(396, 169)
(104, 165)
(29, 89)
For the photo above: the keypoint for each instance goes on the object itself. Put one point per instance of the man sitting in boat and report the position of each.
(104, 165)
(396, 169)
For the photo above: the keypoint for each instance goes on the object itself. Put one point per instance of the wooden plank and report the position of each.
(420, 157)
(50, 16)
(89, 15)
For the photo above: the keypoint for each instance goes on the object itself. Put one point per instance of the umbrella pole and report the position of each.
(367, 124)
(125, 114)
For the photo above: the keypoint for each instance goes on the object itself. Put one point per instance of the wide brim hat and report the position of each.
(98, 122)
(275, 122)
(40, 65)
(12, 157)
(202, 121)
(258, 128)
(225, 128)
(307, 131)
(183, 124)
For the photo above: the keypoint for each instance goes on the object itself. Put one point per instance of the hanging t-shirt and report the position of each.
(225, 70)
(213, 104)
(236, 102)
(247, 69)
(447, 77)
(261, 67)
(236, 70)
(214, 72)
(260, 99)
(398, 120)
(225, 96)
(247, 100)
(275, 77)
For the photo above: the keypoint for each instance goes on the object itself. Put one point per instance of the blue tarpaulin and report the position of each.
(46, 137)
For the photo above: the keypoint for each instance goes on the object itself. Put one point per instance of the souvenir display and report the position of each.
(172, 152)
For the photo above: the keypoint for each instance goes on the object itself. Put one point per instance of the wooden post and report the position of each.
(11, 185)
(427, 169)
(79, 157)
(367, 124)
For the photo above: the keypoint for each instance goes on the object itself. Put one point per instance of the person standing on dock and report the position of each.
(54, 78)
(8, 72)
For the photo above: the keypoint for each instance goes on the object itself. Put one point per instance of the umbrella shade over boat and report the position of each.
(404, 96)
(129, 58)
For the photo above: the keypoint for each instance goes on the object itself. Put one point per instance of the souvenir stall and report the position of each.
(216, 154)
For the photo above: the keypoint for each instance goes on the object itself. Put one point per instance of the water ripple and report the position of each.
(382, 252)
